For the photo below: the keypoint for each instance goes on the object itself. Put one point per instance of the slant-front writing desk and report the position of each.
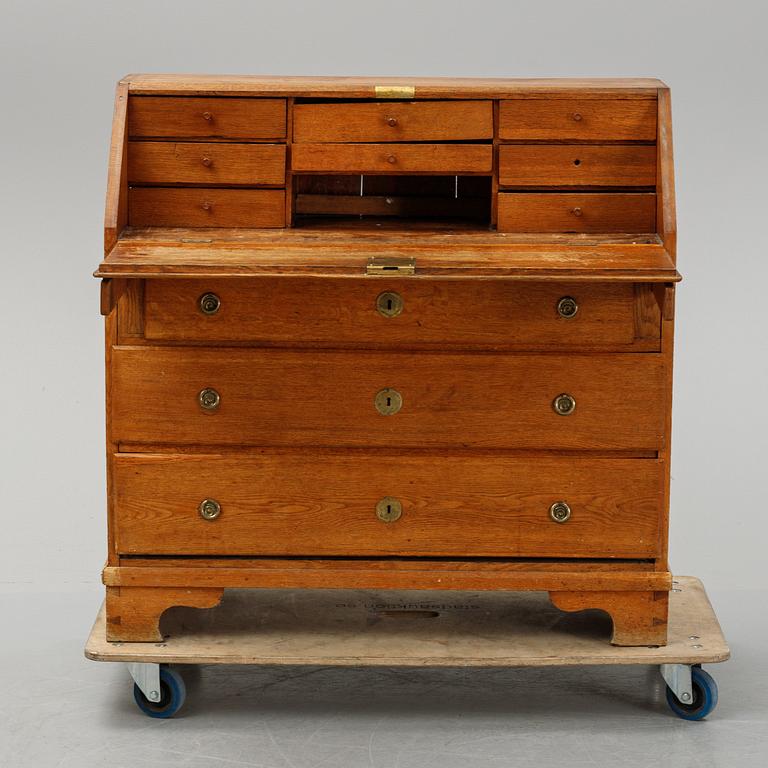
(411, 334)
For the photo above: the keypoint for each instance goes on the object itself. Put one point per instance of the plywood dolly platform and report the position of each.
(435, 629)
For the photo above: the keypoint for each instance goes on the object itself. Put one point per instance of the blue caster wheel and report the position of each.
(173, 692)
(704, 697)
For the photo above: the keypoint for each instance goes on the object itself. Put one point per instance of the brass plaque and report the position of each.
(394, 91)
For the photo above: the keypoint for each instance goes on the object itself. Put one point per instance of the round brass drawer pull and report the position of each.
(209, 303)
(389, 509)
(567, 307)
(389, 304)
(388, 401)
(209, 509)
(560, 512)
(564, 404)
(209, 399)
(207, 205)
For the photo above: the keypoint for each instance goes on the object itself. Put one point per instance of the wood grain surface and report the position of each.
(206, 117)
(205, 163)
(577, 212)
(538, 165)
(299, 504)
(439, 314)
(206, 207)
(577, 119)
(393, 121)
(279, 397)
(388, 158)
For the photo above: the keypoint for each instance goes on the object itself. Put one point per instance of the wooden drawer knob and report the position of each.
(207, 206)
(391, 122)
(576, 211)
(577, 117)
(391, 159)
(208, 116)
(207, 162)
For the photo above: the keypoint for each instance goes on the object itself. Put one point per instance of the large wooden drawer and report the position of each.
(206, 117)
(325, 504)
(578, 119)
(396, 159)
(394, 121)
(449, 314)
(309, 397)
(166, 162)
(577, 165)
(205, 207)
(577, 212)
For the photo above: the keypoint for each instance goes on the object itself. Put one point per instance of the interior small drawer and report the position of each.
(387, 505)
(393, 121)
(578, 119)
(206, 163)
(267, 397)
(206, 117)
(205, 207)
(632, 212)
(392, 159)
(577, 165)
(498, 314)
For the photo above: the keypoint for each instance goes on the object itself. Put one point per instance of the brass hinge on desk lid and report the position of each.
(390, 265)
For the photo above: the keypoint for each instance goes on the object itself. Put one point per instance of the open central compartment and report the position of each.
(460, 201)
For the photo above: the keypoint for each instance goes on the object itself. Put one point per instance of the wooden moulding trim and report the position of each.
(325, 575)
(116, 211)
(665, 191)
(364, 87)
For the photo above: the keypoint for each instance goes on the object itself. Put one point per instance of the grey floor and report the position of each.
(58, 709)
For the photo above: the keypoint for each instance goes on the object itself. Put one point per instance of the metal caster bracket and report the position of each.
(678, 678)
(147, 677)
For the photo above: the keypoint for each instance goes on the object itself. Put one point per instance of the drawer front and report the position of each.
(205, 207)
(192, 117)
(394, 121)
(577, 165)
(299, 504)
(165, 162)
(494, 314)
(308, 397)
(395, 159)
(578, 119)
(577, 212)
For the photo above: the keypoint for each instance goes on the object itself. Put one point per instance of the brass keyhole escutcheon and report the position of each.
(209, 303)
(388, 401)
(389, 509)
(567, 307)
(564, 404)
(209, 399)
(560, 512)
(209, 509)
(389, 304)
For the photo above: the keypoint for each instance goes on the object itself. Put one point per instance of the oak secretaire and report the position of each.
(410, 334)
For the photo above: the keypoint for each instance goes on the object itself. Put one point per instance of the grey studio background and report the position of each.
(60, 62)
